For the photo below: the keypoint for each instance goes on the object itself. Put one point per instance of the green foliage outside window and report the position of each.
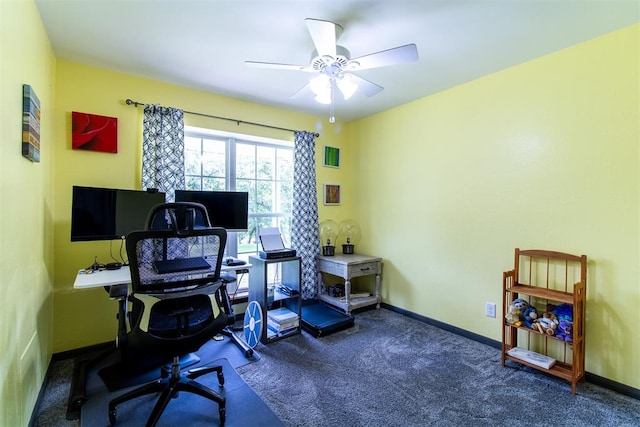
(265, 171)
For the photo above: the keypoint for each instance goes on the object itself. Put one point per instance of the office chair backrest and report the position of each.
(179, 252)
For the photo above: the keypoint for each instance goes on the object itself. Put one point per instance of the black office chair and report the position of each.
(177, 300)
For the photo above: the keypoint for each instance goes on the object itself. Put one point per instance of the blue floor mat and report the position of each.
(320, 320)
(243, 406)
(115, 375)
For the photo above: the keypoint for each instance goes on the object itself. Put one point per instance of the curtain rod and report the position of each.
(238, 122)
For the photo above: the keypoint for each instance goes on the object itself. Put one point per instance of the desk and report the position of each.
(348, 267)
(117, 282)
(122, 276)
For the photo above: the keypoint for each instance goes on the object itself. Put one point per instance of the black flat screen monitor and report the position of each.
(227, 209)
(109, 213)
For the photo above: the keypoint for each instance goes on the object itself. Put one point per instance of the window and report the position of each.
(221, 161)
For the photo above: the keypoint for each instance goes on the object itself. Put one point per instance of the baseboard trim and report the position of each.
(592, 378)
(454, 329)
(612, 385)
(82, 351)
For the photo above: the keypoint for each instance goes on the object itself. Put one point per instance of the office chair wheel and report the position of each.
(112, 417)
(223, 414)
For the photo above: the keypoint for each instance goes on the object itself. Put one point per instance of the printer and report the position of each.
(272, 244)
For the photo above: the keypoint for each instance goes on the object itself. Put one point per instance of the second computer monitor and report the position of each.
(227, 209)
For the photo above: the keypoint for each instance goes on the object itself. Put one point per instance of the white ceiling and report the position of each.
(203, 44)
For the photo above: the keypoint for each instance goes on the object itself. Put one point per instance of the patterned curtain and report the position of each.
(163, 149)
(304, 221)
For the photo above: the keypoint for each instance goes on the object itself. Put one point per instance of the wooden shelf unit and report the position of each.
(542, 277)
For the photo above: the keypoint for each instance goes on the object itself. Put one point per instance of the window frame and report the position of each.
(231, 140)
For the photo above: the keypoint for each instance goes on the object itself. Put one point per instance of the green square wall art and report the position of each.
(331, 157)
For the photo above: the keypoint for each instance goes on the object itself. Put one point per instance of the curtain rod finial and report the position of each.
(130, 101)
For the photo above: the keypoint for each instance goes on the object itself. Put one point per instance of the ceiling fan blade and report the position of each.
(365, 87)
(304, 92)
(396, 55)
(324, 35)
(275, 65)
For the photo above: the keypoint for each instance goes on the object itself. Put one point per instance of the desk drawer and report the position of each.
(364, 269)
(334, 268)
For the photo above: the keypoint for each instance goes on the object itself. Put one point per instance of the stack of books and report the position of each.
(281, 321)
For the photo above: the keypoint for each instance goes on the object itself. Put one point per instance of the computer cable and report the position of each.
(238, 281)
(120, 261)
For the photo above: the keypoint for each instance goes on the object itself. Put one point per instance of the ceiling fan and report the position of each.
(334, 66)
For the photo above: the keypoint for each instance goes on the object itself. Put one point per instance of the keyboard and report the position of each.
(180, 264)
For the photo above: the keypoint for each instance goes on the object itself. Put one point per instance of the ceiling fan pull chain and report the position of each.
(332, 116)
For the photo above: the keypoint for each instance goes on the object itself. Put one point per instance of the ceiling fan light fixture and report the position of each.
(347, 86)
(322, 86)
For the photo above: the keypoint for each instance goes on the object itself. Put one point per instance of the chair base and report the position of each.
(169, 385)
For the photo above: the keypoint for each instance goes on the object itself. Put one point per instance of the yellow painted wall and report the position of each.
(26, 209)
(86, 317)
(543, 155)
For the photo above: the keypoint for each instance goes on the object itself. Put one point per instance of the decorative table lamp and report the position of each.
(350, 234)
(328, 233)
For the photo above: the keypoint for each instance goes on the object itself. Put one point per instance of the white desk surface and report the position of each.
(122, 276)
(101, 278)
(235, 267)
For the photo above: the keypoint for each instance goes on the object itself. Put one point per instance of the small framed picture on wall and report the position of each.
(331, 157)
(331, 194)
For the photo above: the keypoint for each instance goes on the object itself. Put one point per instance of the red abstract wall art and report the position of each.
(93, 132)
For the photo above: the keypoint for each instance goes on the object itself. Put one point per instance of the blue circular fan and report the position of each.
(252, 324)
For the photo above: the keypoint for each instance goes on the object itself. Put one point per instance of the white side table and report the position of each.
(348, 267)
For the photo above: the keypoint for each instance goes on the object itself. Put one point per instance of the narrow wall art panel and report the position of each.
(30, 124)
(93, 132)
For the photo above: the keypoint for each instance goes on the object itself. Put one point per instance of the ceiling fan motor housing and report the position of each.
(340, 62)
